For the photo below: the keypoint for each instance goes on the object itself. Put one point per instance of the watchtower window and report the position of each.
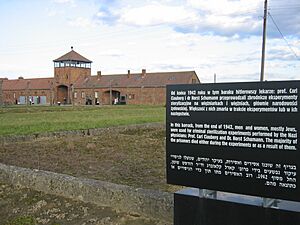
(71, 63)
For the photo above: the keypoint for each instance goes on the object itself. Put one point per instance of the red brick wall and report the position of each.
(69, 75)
(10, 97)
(135, 96)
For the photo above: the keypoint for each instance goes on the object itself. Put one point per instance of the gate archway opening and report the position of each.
(111, 97)
(62, 94)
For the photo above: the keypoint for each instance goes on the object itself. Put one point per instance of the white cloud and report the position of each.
(283, 52)
(112, 53)
(82, 22)
(239, 18)
(156, 14)
(64, 1)
(223, 17)
(225, 7)
(228, 23)
(208, 36)
(54, 12)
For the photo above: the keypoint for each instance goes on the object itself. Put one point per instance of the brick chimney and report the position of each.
(128, 73)
(143, 73)
(99, 74)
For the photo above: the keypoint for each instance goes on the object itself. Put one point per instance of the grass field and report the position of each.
(40, 119)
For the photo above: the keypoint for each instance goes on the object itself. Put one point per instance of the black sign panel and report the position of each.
(235, 137)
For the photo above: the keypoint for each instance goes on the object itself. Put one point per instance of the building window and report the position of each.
(75, 94)
(96, 94)
(82, 94)
(131, 96)
(14, 95)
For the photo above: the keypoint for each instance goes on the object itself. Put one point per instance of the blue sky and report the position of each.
(216, 36)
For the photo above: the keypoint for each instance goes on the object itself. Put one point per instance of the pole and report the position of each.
(72, 95)
(93, 95)
(28, 100)
(267, 202)
(110, 92)
(51, 93)
(1, 96)
(262, 72)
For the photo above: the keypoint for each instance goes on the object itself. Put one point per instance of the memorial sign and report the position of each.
(235, 137)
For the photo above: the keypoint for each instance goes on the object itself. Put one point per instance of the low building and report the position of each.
(73, 84)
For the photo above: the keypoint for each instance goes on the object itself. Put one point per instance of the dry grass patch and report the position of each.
(130, 156)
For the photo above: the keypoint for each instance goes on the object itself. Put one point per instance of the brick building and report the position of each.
(1, 95)
(73, 84)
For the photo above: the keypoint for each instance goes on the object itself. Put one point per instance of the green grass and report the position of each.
(23, 220)
(40, 119)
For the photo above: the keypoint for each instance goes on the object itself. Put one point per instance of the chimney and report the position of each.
(143, 73)
(128, 73)
(98, 74)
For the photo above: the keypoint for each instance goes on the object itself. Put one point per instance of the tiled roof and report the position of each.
(21, 84)
(136, 80)
(72, 56)
(105, 81)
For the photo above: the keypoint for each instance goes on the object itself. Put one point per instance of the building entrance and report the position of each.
(111, 97)
(62, 94)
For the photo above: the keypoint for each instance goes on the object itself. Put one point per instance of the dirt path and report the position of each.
(19, 206)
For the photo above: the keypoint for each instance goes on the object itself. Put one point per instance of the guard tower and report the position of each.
(67, 70)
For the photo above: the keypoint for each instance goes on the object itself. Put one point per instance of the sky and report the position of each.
(222, 37)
